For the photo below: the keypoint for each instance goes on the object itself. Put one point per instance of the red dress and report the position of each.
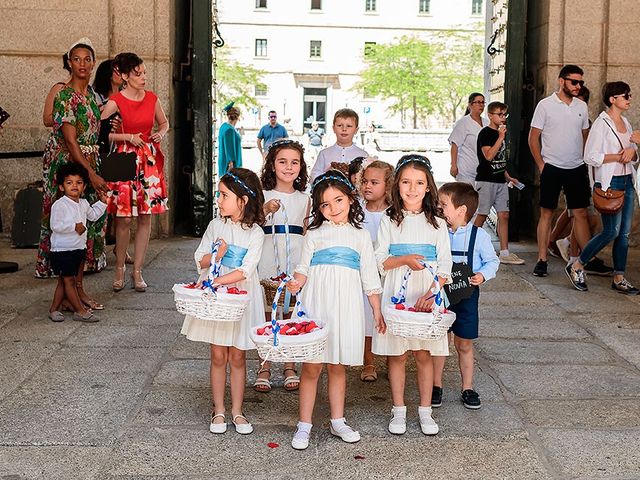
(148, 192)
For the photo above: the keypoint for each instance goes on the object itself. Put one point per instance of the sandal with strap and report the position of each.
(369, 374)
(242, 428)
(218, 427)
(292, 382)
(262, 385)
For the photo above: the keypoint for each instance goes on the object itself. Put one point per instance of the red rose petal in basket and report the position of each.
(190, 285)
(399, 306)
(273, 445)
(411, 309)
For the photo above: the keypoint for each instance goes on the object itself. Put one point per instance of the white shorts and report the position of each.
(463, 178)
(492, 195)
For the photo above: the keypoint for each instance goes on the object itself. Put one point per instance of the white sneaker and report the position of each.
(242, 428)
(511, 259)
(218, 427)
(300, 439)
(427, 424)
(346, 433)
(563, 245)
(398, 423)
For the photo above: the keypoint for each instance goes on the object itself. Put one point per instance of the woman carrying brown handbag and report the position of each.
(611, 154)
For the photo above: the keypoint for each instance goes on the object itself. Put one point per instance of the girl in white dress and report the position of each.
(336, 265)
(284, 181)
(412, 232)
(238, 228)
(374, 183)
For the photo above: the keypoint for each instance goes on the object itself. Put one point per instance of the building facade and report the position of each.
(312, 51)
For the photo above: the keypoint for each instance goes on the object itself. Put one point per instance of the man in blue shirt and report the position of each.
(270, 132)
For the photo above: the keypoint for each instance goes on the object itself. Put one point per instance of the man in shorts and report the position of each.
(559, 129)
(492, 178)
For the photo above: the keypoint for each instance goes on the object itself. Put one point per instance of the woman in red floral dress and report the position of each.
(147, 194)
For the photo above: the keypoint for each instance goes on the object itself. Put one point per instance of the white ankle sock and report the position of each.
(504, 253)
(399, 412)
(304, 427)
(425, 410)
(336, 423)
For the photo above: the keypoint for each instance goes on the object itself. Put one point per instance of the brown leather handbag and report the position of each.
(609, 202)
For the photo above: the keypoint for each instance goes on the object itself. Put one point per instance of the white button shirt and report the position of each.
(335, 153)
(65, 213)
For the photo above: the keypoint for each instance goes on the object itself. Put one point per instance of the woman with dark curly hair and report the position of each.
(76, 123)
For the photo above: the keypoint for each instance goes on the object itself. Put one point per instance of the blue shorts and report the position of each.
(466, 324)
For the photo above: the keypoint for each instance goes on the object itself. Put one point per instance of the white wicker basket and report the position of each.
(206, 305)
(421, 325)
(290, 348)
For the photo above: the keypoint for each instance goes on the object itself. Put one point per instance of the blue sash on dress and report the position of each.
(342, 256)
(234, 256)
(293, 229)
(427, 250)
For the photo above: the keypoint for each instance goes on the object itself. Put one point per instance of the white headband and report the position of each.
(83, 41)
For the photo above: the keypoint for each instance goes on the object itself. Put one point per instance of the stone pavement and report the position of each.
(558, 372)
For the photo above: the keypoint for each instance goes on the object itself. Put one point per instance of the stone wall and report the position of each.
(598, 35)
(35, 34)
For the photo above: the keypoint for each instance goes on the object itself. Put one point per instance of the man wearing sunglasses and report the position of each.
(270, 132)
(559, 129)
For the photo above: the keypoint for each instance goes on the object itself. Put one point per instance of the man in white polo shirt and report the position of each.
(559, 129)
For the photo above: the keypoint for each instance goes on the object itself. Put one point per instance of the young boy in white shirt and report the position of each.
(69, 215)
(345, 126)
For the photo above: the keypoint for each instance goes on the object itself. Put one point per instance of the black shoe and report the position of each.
(540, 270)
(471, 399)
(623, 286)
(436, 397)
(577, 278)
(598, 267)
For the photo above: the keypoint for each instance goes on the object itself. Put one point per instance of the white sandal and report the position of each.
(291, 379)
(300, 439)
(398, 422)
(346, 433)
(427, 424)
(218, 427)
(262, 385)
(242, 428)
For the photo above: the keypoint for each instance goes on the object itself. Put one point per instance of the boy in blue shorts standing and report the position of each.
(471, 245)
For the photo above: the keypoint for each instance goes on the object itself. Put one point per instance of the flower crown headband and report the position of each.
(415, 158)
(242, 184)
(338, 177)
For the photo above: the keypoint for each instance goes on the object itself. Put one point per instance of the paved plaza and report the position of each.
(558, 372)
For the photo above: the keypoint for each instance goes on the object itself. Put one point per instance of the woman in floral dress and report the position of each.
(147, 194)
(76, 123)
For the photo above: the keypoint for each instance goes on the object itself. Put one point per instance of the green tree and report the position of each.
(402, 72)
(424, 77)
(459, 71)
(236, 82)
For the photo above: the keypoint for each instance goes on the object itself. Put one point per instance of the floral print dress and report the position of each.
(146, 194)
(83, 113)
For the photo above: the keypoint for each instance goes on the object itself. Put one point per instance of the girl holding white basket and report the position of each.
(337, 264)
(412, 235)
(239, 235)
(284, 180)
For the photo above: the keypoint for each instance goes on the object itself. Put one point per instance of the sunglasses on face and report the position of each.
(500, 114)
(626, 96)
(574, 82)
(273, 116)
(479, 102)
